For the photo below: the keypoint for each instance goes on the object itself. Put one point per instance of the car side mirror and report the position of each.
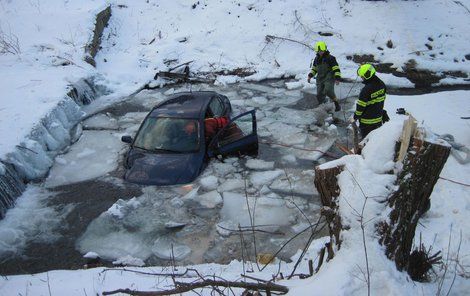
(126, 139)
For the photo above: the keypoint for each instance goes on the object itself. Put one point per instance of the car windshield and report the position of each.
(169, 135)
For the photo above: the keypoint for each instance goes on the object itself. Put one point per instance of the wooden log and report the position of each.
(326, 183)
(421, 169)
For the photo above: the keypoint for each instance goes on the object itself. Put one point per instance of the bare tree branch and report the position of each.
(270, 38)
(182, 287)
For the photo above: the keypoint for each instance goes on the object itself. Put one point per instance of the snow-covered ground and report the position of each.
(47, 55)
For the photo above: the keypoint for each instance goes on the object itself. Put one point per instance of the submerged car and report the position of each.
(172, 145)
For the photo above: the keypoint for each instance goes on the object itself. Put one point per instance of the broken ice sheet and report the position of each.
(266, 177)
(231, 184)
(131, 227)
(166, 248)
(259, 164)
(292, 116)
(94, 155)
(101, 121)
(210, 199)
(298, 182)
(209, 182)
(268, 211)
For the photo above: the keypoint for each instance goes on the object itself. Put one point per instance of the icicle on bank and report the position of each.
(11, 186)
(33, 157)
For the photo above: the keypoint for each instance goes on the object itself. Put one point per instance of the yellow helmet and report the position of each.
(366, 71)
(320, 45)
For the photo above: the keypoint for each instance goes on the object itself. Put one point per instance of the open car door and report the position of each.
(238, 137)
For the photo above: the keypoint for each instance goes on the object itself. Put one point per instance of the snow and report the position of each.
(91, 255)
(222, 36)
(129, 261)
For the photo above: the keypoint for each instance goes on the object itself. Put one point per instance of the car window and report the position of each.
(216, 107)
(168, 135)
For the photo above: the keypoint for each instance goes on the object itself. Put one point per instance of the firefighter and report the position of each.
(370, 104)
(327, 72)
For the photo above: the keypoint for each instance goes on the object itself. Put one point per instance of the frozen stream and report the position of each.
(84, 205)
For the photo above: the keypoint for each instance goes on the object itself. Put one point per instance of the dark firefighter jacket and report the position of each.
(369, 107)
(325, 67)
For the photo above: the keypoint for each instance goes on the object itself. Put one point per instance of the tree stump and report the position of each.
(326, 183)
(421, 169)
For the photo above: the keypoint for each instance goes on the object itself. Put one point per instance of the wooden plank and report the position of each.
(409, 127)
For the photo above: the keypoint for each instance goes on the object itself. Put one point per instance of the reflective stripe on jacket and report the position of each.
(369, 106)
(325, 67)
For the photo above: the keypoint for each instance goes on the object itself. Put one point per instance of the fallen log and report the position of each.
(181, 287)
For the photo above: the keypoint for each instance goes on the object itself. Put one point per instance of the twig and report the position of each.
(446, 265)
(461, 4)
(269, 38)
(70, 61)
(9, 43)
(253, 278)
(252, 230)
(294, 237)
(48, 284)
(456, 182)
(152, 273)
(292, 199)
(185, 287)
(455, 269)
(307, 31)
(243, 248)
(252, 225)
(304, 251)
(361, 220)
(180, 65)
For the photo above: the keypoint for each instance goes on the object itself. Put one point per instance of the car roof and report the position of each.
(184, 105)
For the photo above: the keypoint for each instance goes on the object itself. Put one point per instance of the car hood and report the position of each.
(164, 169)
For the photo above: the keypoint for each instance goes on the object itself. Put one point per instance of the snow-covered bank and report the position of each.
(31, 158)
(46, 84)
(230, 35)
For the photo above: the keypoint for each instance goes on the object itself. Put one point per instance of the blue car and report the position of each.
(172, 145)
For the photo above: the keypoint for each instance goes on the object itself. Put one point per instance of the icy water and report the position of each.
(85, 206)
